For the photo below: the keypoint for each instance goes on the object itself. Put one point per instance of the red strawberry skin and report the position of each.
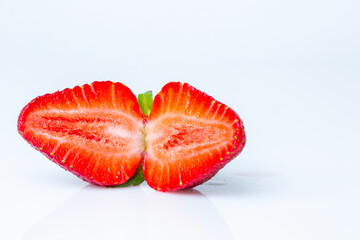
(190, 137)
(93, 131)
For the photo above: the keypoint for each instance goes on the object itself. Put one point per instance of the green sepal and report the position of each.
(136, 179)
(145, 101)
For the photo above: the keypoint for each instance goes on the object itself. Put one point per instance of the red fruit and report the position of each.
(99, 133)
(93, 131)
(190, 137)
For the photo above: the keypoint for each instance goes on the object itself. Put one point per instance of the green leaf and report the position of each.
(145, 101)
(136, 179)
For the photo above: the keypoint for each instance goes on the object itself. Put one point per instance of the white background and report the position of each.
(291, 69)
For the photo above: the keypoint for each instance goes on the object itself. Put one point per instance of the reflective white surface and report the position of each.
(290, 69)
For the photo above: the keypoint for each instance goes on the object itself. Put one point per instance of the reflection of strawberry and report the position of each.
(99, 133)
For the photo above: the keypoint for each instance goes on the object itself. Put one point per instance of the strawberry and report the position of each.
(93, 131)
(190, 137)
(99, 133)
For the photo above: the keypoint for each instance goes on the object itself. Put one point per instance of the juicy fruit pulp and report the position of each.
(99, 133)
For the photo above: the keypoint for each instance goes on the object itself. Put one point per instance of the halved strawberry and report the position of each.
(98, 132)
(190, 137)
(94, 131)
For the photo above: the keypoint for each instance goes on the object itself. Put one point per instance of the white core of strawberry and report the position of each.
(171, 136)
(119, 132)
(133, 137)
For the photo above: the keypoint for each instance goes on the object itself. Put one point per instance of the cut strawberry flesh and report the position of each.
(179, 136)
(190, 136)
(94, 131)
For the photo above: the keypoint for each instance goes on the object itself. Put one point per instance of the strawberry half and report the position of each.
(93, 131)
(190, 137)
(99, 133)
